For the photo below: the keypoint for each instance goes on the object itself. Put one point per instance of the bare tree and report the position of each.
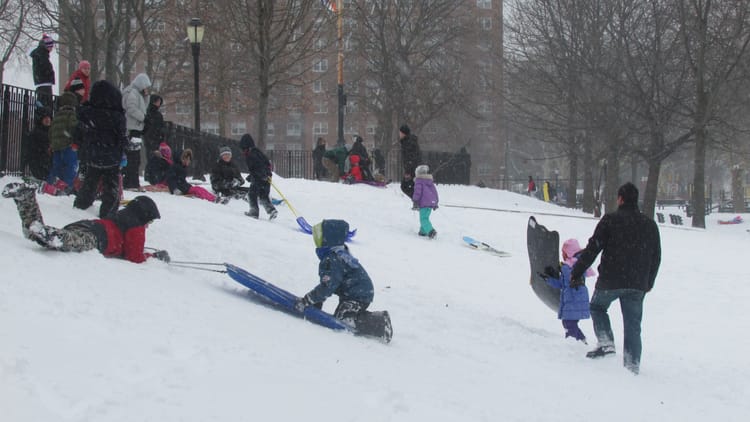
(715, 37)
(13, 15)
(278, 37)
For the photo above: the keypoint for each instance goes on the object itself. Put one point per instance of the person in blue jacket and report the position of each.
(574, 301)
(340, 273)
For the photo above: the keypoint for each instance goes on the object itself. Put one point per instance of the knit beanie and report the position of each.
(225, 150)
(83, 64)
(76, 84)
(405, 130)
(165, 150)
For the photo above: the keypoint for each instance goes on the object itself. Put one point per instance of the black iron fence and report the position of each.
(17, 117)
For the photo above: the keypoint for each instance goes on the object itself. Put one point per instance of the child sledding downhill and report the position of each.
(342, 274)
(574, 302)
(425, 199)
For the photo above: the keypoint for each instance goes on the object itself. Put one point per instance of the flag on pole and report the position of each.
(329, 4)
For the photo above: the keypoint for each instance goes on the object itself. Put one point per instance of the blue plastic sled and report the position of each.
(307, 228)
(283, 299)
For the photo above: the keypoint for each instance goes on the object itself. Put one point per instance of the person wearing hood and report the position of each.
(341, 274)
(158, 166)
(425, 199)
(154, 131)
(176, 180)
(81, 75)
(43, 72)
(574, 302)
(226, 179)
(134, 103)
(101, 123)
(122, 235)
(37, 152)
(63, 144)
(410, 157)
(631, 254)
(259, 168)
(358, 148)
(319, 171)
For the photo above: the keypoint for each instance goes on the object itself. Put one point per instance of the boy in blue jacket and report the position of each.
(342, 274)
(574, 301)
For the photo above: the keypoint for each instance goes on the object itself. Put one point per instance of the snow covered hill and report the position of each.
(85, 338)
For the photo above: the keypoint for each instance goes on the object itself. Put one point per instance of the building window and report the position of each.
(321, 107)
(320, 128)
(239, 128)
(210, 127)
(270, 130)
(485, 23)
(181, 108)
(270, 147)
(371, 130)
(320, 65)
(484, 4)
(293, 129)
(317, 87)
(351, 106)
(485, 107)
(351, 130)
(321, 43)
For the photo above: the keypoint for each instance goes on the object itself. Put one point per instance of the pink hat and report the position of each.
(48, 41)
(571, 247)
(84, 63)
(165, 150)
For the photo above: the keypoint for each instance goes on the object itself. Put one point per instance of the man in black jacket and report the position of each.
(44, 73)
(631, 254)
(411, 157)
(259, 168)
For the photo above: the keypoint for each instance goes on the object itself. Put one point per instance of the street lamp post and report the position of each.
(340, 72)
(195, 35)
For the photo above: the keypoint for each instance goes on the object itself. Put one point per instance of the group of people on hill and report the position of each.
(346, 163)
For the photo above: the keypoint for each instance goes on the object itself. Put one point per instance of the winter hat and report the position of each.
(247, 141)
(187, 155)
(145, 208)
(76, 84)
(225, 150)
(405, 130)
(67, 99)
(570, 248)
(422, 169)
(629, 193)
(165, 150)
(330, 233)
(48, 41)
(84, 64)
(357, 139)
(354, 159)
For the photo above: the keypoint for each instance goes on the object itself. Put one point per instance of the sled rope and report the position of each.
(193, 267)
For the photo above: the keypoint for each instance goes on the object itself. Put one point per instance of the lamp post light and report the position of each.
(195, 35)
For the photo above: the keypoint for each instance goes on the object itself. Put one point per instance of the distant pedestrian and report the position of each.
(37, 151)
(531, 189)
(154, 129)
(410, 157)
(334, 161)
(259, 168)
(44, 73)
(134, 103)
(63, 144)
(358, 148)
(631, 253)
(319, 171)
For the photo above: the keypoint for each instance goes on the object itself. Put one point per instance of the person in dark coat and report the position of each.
(259, 168)
(63, 144)
(410, 157)
(631, 253)
(101, 127)
(38, 156)
(319, 171)
(154, 130)
(158, 165)
(334, 160)
(177, 179)
(358, 148)
(122, 235)
(341, 274)
(43, 72)
(226, 179)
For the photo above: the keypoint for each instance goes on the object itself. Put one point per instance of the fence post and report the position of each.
(5, 125)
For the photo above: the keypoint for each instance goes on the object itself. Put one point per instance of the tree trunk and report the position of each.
(612, 183)
(572, 188)
(588, 177)
(699, 186)
(652, 186)
(738, 189)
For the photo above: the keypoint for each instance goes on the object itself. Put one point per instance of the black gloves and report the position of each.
(302, 303)
(415, 206)
(162, 255)
(576, 282)
(551, 271)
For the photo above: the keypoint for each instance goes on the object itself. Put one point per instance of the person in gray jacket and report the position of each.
(135, 105)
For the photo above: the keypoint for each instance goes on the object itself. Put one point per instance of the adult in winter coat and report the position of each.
(319, 171)
(177, 179)
(82, 74)
(425, 199)
(44, 73)
(134, 103)
(334, 161)
(574, 302)
(120, 236)
(154, 130)
(63, 144)
(158, 165)
(226, 179)
(410, 157)
(631, 253)
(37, 153)
(101, 123)
(358, 148)
(259, 168)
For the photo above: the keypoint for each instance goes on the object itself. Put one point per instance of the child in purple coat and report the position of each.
(574, 302)
(425, 199)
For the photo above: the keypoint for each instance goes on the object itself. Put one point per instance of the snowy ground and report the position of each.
(85, 338)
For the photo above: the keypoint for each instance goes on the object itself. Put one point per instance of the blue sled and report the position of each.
(283, 299)
(307, 228)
